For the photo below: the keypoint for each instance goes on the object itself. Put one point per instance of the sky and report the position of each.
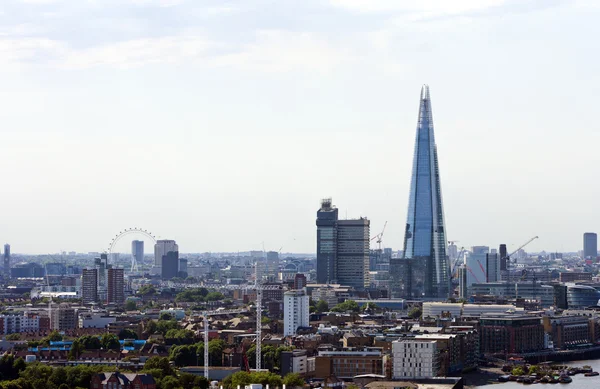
(222, 124)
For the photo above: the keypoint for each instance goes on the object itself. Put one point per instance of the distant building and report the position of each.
(89, 286)
(493, 267)
(166, 257)
(11, 324)
(569, 331)
(348, 364)
(503, 256)
(6, 260)
(137, 251)
(571, 276)
(272, 266)
(476, 266)
(116, 286)
(342, 248)
(293, 362)
(183, 268)
(299, 281)
(462, 282)
(590, 245)
(295, 311)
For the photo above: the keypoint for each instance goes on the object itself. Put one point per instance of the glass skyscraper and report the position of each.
(425, 269)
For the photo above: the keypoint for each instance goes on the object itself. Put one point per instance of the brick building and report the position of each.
(347, 364)
(569, 331)
(574, 276)
(511, 333)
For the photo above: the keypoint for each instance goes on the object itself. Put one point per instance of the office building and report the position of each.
(183, 268)
(6, 260)
(492, 262)
(272, 265)
(116, 286)
(162, 248)
(571, 276)
(166, 257)
(295, 311)
(89, 286)
(342, 248)
(137, 252)
(462, 282)
(415, 359)
(503, 257)
(476, 267)
(569, 331)
(590, 245)
(425, 236)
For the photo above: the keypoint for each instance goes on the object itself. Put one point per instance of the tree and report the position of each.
(191, 381)
(166, 316)
(15, 336)
(293, 379)
(89, 342)
(215, 352)
(147, 290)
(110, 342)
(322, 306)
(518, 370)
(161, 364)
(54, 336)
(130, 305)
(415, 313)
(186, 355)
(76, 349)
(163, 326)
(215, 296)
(127, 333)
(346, 306)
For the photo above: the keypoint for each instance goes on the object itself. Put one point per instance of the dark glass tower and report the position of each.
(425, 268)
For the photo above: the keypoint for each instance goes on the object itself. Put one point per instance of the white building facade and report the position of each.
(295, 311)
(415, 359)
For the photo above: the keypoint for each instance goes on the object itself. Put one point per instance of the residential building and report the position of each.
(510, 333)
(342, 248)
(295, 311)
(10, 324)
(116, 286)
(64, 317)
(590, 245)
(425, 268)
(299, 281)
(294, 362)
(348, 364)
(413, 359)
(114, 380)
(569, 331)
(89, 285)
(272, 265)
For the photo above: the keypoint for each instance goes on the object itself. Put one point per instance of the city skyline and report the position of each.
(134, 122)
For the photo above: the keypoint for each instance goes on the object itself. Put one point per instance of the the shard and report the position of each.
(425, 269)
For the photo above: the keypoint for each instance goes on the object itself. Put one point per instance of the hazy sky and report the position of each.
(222, 124)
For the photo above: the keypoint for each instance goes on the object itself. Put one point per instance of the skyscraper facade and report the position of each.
(590, 245)
(116, 286)
(426, 269)
(342, 248)
(137, 251)
(162, 248)
(6, 260)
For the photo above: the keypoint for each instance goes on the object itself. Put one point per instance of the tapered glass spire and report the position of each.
(426, 267)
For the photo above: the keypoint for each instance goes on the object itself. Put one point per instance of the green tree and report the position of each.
(75, 351)
(54, 336)
(90, 342)
(159, 363)
(147, 290)
(518, 370)
(163, 326)
(293, 379)
(415, 313)
(130, 305)
(215, 351)
(215, 296)
(166, 316)
(127, 333)
(534, 369)
(186, 355)
(191, 381)
(169, 382)
(346, 306)
(322, 306)
(15, 336)
(110, 342)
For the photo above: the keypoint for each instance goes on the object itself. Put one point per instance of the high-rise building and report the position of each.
(425, 250)
(162, 248)
(89, 286)
(462, 282)
(299, 281)
(63, 317)
(342, 248)
(590, 245)
(183, 268)
(503, 257)
(6, 260)
(477, 265)
(295, 311)
(116, 286)
(492, 261)
(272, 267)
(137, 252)
(170, 265)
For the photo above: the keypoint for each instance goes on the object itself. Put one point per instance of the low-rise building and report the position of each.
(294, 362)
(114, 380)
(347, 364)
(95, 320)
(10, 324)
(569, 331)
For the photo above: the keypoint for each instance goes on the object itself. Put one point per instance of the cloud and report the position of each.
(430, 7)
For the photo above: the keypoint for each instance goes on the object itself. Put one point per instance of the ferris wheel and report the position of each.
(130, 231)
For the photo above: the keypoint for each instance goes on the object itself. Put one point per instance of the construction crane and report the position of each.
(258, 287)
(459, 257)
(379, 236)
(205, 316)
(520, 247)
(50, 292)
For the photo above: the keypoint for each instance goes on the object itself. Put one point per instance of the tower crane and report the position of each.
(520, 247)
(459, 257)
(379, 236)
